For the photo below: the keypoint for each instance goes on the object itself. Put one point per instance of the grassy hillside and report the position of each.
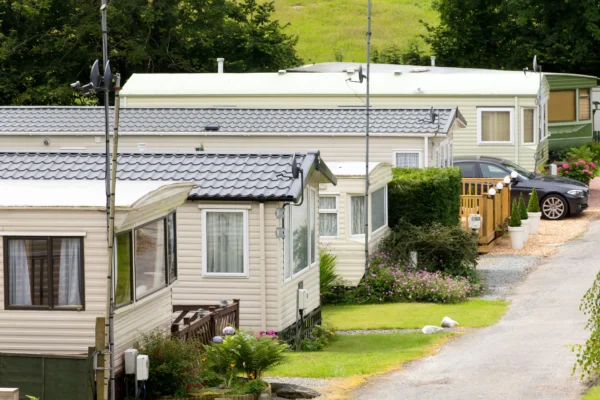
(330, 27)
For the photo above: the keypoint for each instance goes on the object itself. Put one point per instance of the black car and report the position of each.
(559, 196)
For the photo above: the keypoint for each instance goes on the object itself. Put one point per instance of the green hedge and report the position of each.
(422, 196)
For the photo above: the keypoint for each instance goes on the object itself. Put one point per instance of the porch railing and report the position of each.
(204, 322)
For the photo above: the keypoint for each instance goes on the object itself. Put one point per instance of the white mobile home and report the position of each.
(191, 229)
(505, 111)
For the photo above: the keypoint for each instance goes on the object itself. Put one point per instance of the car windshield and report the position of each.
(518, 169)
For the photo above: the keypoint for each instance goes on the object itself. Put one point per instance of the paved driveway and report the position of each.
(525, 355)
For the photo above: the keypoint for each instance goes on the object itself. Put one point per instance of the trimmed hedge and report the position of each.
(422, 196)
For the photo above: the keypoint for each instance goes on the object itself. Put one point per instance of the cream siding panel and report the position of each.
(142, 317)
(310, 280)
(57, 332)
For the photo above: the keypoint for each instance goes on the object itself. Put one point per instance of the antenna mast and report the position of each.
(367, 136)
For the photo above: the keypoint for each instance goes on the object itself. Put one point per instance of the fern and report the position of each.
(328, 276)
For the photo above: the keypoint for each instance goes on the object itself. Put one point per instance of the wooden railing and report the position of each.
(190, 323)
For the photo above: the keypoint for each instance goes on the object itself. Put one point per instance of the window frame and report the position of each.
(419, 152)
(480, 111)
(133, 243)
(51, 295)
(535, 126)
(385, 209)
(246, 258)
(350, 234)
(335, 211)
(131, 271)
(176, 266)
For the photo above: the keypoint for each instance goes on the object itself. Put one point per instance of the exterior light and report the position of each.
(506, 180)
(492, 192)
(514, 175)
(499, 186)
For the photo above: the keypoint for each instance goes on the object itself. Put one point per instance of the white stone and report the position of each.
(448, 322)
(429, 329)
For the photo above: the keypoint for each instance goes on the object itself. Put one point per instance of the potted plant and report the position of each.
(534, 213)
(515, 229)
(524, 218)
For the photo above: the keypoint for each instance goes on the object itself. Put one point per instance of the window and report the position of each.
(328, 216)
(468, 169)
(528, 125)
(407, 159)
(150, 257)
(225, 242)
(171, 247)
(300, 244)
(495, 125)
(44, 273)
(357, 215)
(124, 261)
(561, 106)
(379, 208)
(312, 215)
(492, 171)
(584, 104)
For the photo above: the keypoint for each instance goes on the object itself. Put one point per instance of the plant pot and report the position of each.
(525, 225)
(534, 222)
(516, 237)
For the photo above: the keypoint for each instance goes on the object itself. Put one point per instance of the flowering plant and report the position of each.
(580, 170)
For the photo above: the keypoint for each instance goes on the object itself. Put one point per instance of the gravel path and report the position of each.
(525, 355)
(503, 272)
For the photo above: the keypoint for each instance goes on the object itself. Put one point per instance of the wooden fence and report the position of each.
(190, 323)
(494, 210)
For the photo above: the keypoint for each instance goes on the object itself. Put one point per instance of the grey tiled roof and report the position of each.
(232, 176)
(90, 120)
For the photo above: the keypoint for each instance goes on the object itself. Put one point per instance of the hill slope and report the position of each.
(337, 27)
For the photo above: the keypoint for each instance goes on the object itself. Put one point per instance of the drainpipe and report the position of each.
(220, 62)
(263, 269)
(426, 153)
(516, 128)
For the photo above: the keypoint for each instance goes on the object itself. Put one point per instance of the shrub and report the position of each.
(580, 170)
(450, 250)
(534, 202)
(581, 153)
(393, 282)
(588, 354)
(421, 196)
(319, 337)
(328, 277)
(174, 364)
(514, 221)
(522, 208)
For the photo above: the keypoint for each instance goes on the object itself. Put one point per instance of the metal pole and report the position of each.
(106, 110)
(367, 137)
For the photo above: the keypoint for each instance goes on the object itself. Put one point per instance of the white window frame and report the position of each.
(511, 112)
(535, 126)
(349, 222)
(335, 211)
(288, 252)
(385, 210)
(205, 273)
(405, 151)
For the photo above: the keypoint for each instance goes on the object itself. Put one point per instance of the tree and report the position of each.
(47, 44)
(506, 34)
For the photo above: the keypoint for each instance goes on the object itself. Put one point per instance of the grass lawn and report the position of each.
(351, 355)
(470, 314)
(592, 394)
(327, 27)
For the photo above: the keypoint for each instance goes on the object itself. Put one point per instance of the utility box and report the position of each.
(130, 360)
(474, 221)
(302, 299)
(142, 367)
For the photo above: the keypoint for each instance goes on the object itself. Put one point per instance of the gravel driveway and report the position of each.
(525, 355)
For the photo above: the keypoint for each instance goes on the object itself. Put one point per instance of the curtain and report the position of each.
(528, 124)
(225, 242)
(18, 270)
(69, 277)
(357, 205)
(561, 106)
(495, 126)
(584, 104)
(328, 224)
(378, 209)
(407, 160)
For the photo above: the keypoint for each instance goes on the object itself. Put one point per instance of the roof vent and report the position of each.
(282, 72)
(397, 73)
(432, 61)
(420, 69)
(141, 147)
(350, 71)
(220, 62)
(212, 127)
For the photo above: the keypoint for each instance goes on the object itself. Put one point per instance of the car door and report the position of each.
(489, 170)
(469, 169)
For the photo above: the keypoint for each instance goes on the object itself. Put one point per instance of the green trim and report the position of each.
(158, 96)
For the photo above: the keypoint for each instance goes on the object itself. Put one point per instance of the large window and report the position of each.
(528, 125)
(584, 104)
(44, 273)
(328, 216)
(379, 208)
(357, 215)
(150, 257)
(124, 268)
(561, 106)
(407, 158)
(495, 125)
(300, 239)
(225, 243)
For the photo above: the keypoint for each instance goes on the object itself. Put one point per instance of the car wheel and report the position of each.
(554, 207)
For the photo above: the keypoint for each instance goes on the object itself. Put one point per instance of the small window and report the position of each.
(44, 273)
(328, 216)
(379, 209)
(492, 171)
(357, 215)
(561, 106)
(171, 247)
(495, 125)
(407, 159)
(584, 104)
(528, 124)
(468, 169)
(123, 292)
(150, 258)
(225, 242)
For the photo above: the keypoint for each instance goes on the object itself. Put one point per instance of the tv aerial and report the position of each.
(361, 76)
(536, 67)
(98, 83)
(432, 115)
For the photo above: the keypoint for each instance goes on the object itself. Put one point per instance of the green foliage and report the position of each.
(522, 208)
(422, 196)
(392, 54)
(328, 277)
(514, 221)
(580, 170)
(320, 336)
(506, 34)
(32, 397)
(47, 44)
(588, 354)
(534, 202)
(581, 153)
(448, 249)
(174, 364)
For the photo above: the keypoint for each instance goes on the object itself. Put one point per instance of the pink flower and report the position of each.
(560, 169)
(589, 172)
(593, 165)
(566, 166)
(570, 158)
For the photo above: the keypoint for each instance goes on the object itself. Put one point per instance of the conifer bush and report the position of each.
(522, 208)
(534, 202)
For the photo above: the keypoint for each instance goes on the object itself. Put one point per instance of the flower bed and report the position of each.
(580, 170)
